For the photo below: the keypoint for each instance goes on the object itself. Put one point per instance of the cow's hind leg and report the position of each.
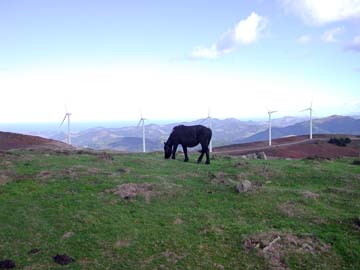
(207, 156)
(200, 157)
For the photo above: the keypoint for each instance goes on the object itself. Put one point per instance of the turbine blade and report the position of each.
(140, 122)
(63, 120)
(305, 110)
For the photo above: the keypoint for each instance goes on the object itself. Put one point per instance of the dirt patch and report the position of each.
(7, 264)
(122, 243)
(275, 247)
(310, 195)
(130, 190)
(178, 221)
(220, 178)
(3, 179)
(67, 235)
(34, 251)
(172, 257)
(105, 157)
(121, 171)
(291, 209)
(63, 259)
(242, 176)
(213, 229)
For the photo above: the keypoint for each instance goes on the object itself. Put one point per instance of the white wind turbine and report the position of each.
(209, 118)
(210, 126)
(142, 121)
(67, 114)
(310, 109)
(270, 113)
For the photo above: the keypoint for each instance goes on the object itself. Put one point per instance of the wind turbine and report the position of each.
(67, 114)
(209, 118)
(142, 121)
(310, 109)
(270, 113)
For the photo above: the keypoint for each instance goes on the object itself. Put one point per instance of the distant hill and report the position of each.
(129, 138)
(225, 132)
(329, 125)
(296, 147)
(9, 140)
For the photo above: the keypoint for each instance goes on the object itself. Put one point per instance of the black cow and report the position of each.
(188, 136)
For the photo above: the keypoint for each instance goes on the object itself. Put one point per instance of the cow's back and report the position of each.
(191, 135)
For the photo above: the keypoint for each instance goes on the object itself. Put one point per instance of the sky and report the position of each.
(113, 60)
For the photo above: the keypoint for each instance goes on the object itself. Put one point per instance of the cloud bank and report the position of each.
(354, 45)
(323, 11)
(330, 35)
(245, 32)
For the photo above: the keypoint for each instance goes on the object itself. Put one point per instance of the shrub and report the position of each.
(340, 141)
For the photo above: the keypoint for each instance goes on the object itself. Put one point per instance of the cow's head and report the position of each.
(167, 150)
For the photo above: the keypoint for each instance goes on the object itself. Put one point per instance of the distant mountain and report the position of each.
(225, 132)
(129, 138)
(329, 125)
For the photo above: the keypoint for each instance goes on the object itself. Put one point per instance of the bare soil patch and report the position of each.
(276, 246)
(291, 209)
(130, 190)
(310, 195)
(220, 178)
(178, 221)
(122, 243)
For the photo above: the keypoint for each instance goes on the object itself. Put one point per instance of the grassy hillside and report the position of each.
(301, 214)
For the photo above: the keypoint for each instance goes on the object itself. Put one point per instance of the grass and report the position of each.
(191, 223)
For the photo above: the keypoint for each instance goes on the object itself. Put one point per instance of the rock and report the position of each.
(63, 259)
(243, 186)
(251, 156)
(7, 264)
(68, 235)
(261, 155)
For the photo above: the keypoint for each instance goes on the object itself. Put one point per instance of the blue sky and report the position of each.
(109, 60)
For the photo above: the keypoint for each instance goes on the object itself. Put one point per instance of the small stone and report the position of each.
(261, 155)
(243, 186)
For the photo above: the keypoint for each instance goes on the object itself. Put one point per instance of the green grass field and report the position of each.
(192, 218)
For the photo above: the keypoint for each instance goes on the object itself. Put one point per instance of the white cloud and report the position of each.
(323, 11)
(330, 35)
(304, 39)
(245, 32)
(354, 45)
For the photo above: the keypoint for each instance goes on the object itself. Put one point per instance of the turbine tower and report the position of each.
(67, 114)
(142, 121)
(209, 119)
(310, 109)
(210, 126)
(270, 113)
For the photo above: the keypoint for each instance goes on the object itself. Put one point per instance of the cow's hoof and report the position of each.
(207, 162)
(186, 160)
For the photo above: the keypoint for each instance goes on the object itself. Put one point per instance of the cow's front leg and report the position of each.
(185, 153)
(174, 151)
